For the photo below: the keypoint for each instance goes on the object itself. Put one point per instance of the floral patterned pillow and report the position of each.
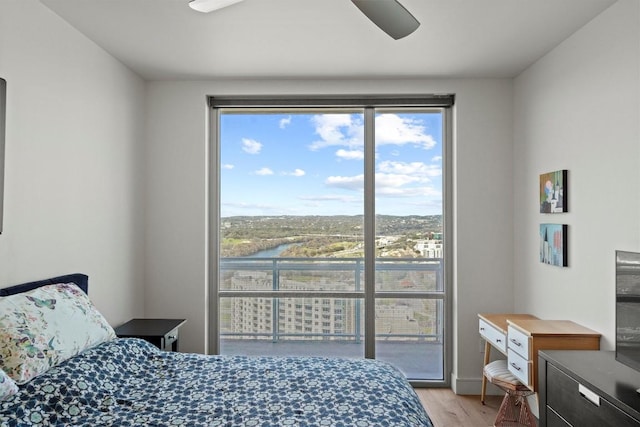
(45, 326)
(7, 386)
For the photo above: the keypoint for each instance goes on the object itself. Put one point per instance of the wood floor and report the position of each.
(447, 409)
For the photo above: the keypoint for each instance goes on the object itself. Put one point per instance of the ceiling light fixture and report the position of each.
(206, 6)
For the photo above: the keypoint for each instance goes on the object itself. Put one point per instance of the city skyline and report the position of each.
(293, 163)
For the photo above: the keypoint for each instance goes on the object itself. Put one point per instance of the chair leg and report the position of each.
(509, 413)
(506, 411)
(526, 418)
(487, 356)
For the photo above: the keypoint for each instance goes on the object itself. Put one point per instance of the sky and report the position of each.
(285, 163)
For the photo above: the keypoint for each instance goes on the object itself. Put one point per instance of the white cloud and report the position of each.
(436, 159)
(227, 166)
(389, 184)
(245, 205)
(244, 208)
(383, 181)
(410, 180)
(410, 192)
(297, 172)
(337, 129)
(386, 180)
(264, 172)
(251, 146)
(348, 130)
(285, 122)
(402, 179)
(410, 186)
(417, 169)
(347, 182)
(392, 129)
(350, 154)
(332, 198)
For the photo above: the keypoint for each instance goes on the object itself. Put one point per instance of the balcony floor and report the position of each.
(417, 360)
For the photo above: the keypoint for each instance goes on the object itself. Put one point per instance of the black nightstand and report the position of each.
(163, 333)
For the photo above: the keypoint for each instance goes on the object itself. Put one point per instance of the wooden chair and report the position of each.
(514, 410)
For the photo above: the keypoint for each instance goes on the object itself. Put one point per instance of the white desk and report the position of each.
(520, 336)
(493, 329)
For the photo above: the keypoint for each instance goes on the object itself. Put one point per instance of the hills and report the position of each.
(321, 235)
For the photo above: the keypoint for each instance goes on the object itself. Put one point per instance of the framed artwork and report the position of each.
(553, 192)
(553, 244)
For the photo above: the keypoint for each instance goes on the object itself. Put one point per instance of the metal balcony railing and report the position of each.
(313, 283)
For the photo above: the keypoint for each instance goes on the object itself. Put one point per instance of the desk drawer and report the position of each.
(519, 342)
(579, 405)
(493, 336)
(520, 367)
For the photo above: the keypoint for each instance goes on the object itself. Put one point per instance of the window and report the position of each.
(332, 214)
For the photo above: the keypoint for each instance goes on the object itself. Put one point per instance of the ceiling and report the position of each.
(300, 39)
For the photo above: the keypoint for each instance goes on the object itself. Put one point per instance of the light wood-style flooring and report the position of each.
(447, 409)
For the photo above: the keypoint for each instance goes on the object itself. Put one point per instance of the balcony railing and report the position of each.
(293, 290)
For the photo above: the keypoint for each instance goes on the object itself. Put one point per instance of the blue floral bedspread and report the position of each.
(129, 382)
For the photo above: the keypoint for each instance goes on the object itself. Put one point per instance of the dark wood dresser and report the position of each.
(586, 389)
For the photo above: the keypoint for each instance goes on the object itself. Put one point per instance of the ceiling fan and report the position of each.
(389, 15)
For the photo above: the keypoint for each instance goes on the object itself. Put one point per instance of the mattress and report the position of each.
(129, 382)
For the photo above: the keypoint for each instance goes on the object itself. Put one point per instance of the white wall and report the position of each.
(577, 108)
(177, 197)
(74, 141)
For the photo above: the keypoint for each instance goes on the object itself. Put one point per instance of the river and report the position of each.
(273, 252)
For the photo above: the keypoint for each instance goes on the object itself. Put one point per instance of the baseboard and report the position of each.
(472, 386)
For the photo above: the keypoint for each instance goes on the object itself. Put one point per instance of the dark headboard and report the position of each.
(82, 280)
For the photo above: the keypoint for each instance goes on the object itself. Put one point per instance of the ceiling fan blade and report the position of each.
(206, 6)
(390, 16)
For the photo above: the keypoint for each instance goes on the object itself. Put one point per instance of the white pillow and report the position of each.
(43, 327)
(7, 386)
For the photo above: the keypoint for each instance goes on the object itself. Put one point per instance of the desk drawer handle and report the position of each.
(515, 366)
(513, 340)
(481, 328)
(498, 340)
(171, 337)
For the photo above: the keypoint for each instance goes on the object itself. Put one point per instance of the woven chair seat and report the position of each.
(498, 373)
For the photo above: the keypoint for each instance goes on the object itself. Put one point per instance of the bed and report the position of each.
(75, 371)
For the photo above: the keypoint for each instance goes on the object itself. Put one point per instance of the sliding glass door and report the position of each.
(409, 249)
(327, 232)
